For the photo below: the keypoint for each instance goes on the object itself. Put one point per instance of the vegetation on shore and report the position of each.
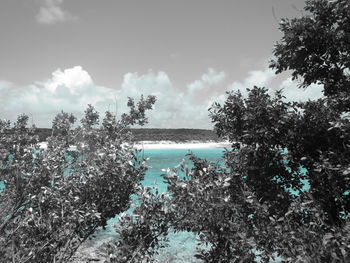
(155, 134)
(256, 206)
(252, 208)
(54, 199)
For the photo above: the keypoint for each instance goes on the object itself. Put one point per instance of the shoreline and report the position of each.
(153, 145)
(150, 145)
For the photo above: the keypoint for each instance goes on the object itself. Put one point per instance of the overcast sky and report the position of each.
(64, 54)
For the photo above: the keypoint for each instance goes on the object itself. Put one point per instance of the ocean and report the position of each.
(160, 159)
(182, 245)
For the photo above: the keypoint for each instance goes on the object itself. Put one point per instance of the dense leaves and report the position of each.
(232, 224)
(56, 198)
(316, 46)
(274, 139)
(284, 190)
(143, 232)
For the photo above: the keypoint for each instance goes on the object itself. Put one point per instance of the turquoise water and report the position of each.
(182, 244)
(165, 158)
(170, 158)
(162, 159)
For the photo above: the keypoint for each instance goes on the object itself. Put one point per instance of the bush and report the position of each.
(143, 232)
(284, 188)
(54, 199)
(232, 224)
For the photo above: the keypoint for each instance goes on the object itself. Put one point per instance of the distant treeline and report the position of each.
(152, 134)
(177, 135)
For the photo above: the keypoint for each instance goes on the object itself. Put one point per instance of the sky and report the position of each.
(65, 54)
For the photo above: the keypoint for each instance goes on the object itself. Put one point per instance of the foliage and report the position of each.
(316, 46)
(313, 135)
(259, 125)
(217, 205)
(175, 135)
(285, 188)
(157, 134)
(316, 136)
(143, 232)
(54, 199)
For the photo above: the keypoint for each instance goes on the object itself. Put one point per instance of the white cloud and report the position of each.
(260, 78)
(73, 88)
(51, 12)
(263, 78)
(74, 78)
(69, 90)
(293, 93)
(210, 78)
(5, 84)
(172, 109)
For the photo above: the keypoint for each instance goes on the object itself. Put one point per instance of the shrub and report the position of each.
(284, 189)
(54, 199)
(257, 205)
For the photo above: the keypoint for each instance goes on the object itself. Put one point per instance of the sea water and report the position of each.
(182, 245)
(162, 159)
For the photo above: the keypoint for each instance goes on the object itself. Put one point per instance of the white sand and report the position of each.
(181, 145)
(170, 145)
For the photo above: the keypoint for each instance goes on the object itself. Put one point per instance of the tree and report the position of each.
(259, 126)
(316, 46)
(143, 232)
(232, 224)
(315, 136)
(54, 199)
(284, 188)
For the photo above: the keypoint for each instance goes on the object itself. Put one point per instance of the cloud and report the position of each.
(51, 12)
(210, 78)
(74, 78)
(173, 108)
(264, 78)
(73, 88)
(260, 78)
(69, 90)
(293, 93)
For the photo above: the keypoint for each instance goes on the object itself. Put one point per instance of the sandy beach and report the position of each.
(181, 145)
(171, 145)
